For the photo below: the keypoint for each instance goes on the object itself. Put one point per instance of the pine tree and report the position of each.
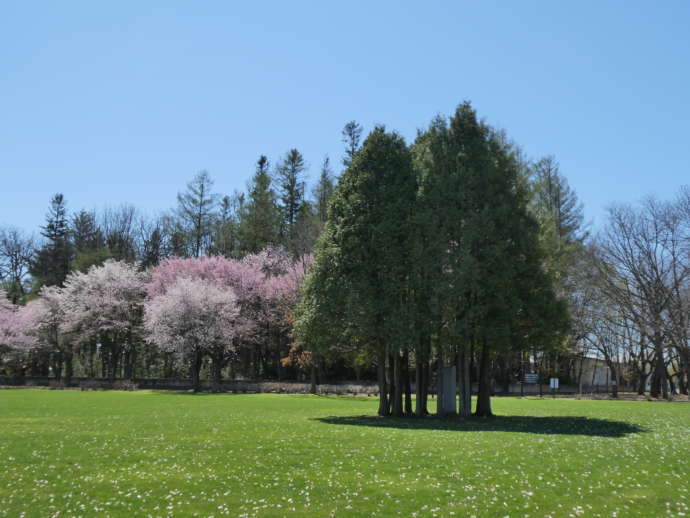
(324, 190)
(88, 243)
(153, 248)
(553, 196)
(352, 135)
(290, 182)
(52, 261)
(86, 236)
(259, 218)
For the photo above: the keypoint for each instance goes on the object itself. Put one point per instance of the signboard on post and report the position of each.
(554, 383)
(531, 378)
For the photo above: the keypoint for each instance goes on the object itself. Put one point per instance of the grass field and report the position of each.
(144, 453)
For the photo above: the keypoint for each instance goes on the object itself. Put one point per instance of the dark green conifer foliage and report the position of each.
(52, 261)
(324, 190)
(153, 249)
(290, 183)
(357, 291)
(259, 218)
(490, 291)
(87, 241)
(352, 136)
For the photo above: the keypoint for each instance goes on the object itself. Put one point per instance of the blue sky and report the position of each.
(124, 101)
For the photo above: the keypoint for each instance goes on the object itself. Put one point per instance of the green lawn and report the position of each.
(158, 454)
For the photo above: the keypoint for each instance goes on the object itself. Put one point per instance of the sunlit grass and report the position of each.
(158, 454)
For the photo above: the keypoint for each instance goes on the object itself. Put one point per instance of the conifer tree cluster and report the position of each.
(430, 254)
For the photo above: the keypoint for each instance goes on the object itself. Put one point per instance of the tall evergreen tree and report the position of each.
(486, 261)
(259, 218)
(352, 136)
(560, 214)
(290, 182)
(324, 190)
(225, 239)
(195, 208)
(51, 263)
(86, 236)
(362, 261)
(153, 248)
(88, 242)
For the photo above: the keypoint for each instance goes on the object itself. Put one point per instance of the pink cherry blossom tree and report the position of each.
(17, 335)
(276, 296)
(266, 285)
(195, 317)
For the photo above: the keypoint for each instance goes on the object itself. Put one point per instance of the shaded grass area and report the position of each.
(162, 454)
(550, 425)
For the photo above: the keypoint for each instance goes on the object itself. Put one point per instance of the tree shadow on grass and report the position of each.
(547, 425)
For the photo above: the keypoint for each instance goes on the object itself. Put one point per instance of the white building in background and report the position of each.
(595, 372)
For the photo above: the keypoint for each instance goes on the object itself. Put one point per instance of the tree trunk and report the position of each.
(614, 379)
(418, 385)
(126, 363)
(92, 362)
(484, 395)
(439, 382)
(464, 382)
(642, 381)
(683, 381)
(397, 409)
(114, 362)
(69, 368)
(130, 362)
(391, 383)
(104, 361)
(57, 366)
(421, 378)
(312, 387)
(217, 370)
(659, 386)
(196, 368)
(406, 382)
(383, 388)
(426, 373)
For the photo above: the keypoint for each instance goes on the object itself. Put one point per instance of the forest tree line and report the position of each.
(456, 249)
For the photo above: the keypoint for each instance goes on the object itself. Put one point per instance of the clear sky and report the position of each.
(112, 102)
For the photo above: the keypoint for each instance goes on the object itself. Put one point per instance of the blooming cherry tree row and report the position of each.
(191, 308)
